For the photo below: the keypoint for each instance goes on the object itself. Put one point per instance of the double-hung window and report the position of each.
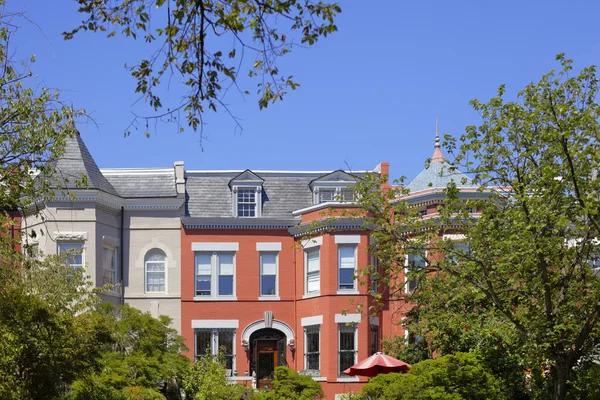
(213, 341)
(347, 266)
(415, 263)
(109, 266)
(268, 274)
(346, 347)
(313, 271)
(312, 348)
(215, 274)
(337, 194)
(155, 267)
(246, 202)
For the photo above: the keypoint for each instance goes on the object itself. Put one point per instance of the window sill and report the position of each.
(319, 378)
(268, 298)
(348, 379)
(239, 378)
(348, 291)
(311, 295)
(210, 298)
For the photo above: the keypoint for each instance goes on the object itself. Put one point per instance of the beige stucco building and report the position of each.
(124, 225)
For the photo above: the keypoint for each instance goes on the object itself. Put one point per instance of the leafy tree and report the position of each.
(206, 380)
(459, 376)
(193, 43)
(527, 281)
(49, 333)
(142, 359)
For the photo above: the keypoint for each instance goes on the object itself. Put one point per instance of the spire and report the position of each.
(437, 151)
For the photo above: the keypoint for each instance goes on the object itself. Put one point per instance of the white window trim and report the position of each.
(315, 320)
(165, 265)
(354, 290)
(347, 239)
(268, 246)
(306, 346)
(314, 242)
(266, 297)
(348, 318)
(347, 378)
(115, 288)
(257, 198)
(215, 246)
(214, 277)
(308, 294)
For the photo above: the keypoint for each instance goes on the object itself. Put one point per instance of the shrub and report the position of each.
(290, 385)
(460, 376)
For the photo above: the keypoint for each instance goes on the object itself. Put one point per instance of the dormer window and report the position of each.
(246, 202)
(246, 195)
(337, 186)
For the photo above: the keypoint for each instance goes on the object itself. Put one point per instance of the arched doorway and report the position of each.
(267, 351)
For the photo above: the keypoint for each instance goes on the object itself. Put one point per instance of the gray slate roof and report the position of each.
(143, 185)
(437, 176)
(76, 163)
(209, 196)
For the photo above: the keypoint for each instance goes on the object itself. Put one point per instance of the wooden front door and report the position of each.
(266, 363)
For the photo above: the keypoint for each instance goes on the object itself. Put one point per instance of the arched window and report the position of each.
(155, 266)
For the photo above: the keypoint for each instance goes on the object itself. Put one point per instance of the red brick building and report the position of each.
(253, 286)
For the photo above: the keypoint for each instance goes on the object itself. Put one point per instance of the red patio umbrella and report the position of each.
(378, 363)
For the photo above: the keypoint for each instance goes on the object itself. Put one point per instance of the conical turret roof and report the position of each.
(77, 163)
(438, 173)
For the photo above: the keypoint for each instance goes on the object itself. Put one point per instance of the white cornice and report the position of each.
(238, 223)
(106, 199)
(329, 204)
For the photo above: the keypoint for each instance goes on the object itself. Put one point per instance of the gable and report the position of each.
(334, 177)
(246, 178)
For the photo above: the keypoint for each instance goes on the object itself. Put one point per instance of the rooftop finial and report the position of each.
(437, 151)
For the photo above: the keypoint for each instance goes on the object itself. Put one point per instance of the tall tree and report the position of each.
(528, 277)
(190, 46)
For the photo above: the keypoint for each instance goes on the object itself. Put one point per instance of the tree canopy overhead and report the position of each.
(203, 43)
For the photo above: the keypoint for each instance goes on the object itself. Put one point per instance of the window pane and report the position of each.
(326, 195)
(347, 195)
(155, 282)
(268, 263)
(203, 285)
(155, 255)
(347, 256)
(347, 337)
(312, 347)
(225, 285)
(374, 339)
(203, 342)
(267, 285)
(346, 361)
(312, 259)
(109, 265)
(203, 264)
(225, 264)
(225, 342)
(346, 279)
(313, 282)
(76, 257)
(246, 210)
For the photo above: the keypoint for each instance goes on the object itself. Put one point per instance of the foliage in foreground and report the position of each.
(289, 385)
(461, 376)
(521, 284)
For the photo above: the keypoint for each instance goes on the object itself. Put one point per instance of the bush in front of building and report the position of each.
(290, 385)
(460, 376)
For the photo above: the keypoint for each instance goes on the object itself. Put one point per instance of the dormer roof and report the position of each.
(246, 178)
(338, 176)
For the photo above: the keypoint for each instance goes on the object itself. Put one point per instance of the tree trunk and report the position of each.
(559, 389)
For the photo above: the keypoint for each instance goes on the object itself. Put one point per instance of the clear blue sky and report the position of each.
(370, 93)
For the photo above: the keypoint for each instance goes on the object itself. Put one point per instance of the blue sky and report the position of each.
(370, 93)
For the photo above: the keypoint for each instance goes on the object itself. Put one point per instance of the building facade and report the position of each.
(258, 264)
